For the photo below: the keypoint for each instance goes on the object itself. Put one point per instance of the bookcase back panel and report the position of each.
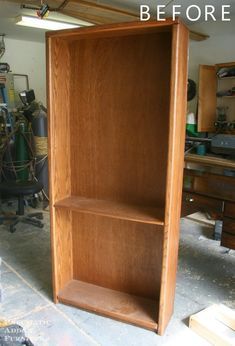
(122, 255)
(120, 90)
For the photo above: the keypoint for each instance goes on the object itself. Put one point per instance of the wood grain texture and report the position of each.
(118, 254)
(62, 248)
(118, 141)
(103, 7)
(98, 13)
(58, 90)
(229, 225)
(94, 17)
(175, 157)
(114, 304)
(228, 240)
(112, 30)
(58, 83)
(207, 98)
(113, 209)
(229, 209)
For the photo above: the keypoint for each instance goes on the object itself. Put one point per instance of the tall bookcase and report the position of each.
(117, 105)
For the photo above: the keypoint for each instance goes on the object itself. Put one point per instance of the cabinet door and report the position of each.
(207, 98)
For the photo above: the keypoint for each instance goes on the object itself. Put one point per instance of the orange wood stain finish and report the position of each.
(117, 107)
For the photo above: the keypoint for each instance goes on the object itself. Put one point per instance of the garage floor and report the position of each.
(206, 275)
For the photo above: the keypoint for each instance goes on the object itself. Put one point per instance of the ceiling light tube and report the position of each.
(46, 24)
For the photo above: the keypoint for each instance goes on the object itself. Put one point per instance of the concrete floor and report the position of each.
(206, 275)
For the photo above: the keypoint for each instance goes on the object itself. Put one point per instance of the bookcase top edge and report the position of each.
(116, 28)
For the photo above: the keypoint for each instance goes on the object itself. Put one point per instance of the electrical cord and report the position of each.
(52, 9)
(60, 7)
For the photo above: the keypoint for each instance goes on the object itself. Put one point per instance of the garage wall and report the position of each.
(28, 57)
(219, 48)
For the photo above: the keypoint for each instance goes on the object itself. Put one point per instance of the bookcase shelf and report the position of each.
(119, 305)
(116, 145)
(114, 210)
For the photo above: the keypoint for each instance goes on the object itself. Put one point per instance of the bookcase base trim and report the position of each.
(110, 303)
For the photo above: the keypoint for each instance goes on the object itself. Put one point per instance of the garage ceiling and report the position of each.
(84, 12)
(9, 10)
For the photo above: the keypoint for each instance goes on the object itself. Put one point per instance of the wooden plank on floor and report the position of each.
(216, 324)
(225, 315)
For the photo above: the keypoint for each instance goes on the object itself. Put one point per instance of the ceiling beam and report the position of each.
(197, 36)
(106, 8)
(97, 19)
(97, 13)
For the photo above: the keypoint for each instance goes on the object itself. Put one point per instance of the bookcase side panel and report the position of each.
(62, 253)
(58, 90)
(174, 172)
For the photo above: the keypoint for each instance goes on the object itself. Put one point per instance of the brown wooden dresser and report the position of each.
(209, 186)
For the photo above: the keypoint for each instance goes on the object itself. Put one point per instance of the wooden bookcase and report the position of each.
(117, 105)
(209, 84)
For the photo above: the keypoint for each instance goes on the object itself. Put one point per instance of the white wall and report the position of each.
(219, 48)
(28, 57)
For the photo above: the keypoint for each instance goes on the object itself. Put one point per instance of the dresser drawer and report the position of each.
(229, 225)
(228, 240)
(228, 233)
(209, 184)
(229, 209)
(192, 202)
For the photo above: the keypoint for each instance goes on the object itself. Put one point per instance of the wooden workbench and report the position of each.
(209, 186)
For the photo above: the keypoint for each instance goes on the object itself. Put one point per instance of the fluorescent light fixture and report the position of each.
(46, 24)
